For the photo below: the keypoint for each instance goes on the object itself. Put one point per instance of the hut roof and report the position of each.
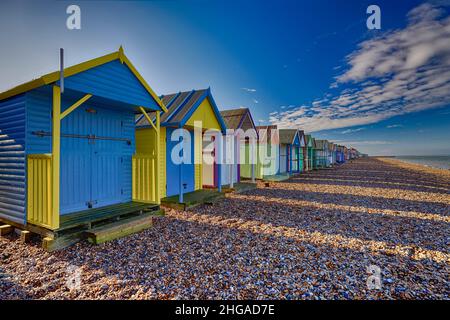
(180, 107)
(321, 144)
(238, 119)
(287, 136)
(81, 67)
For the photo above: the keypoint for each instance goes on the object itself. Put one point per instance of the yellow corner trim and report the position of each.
(75, 105)
(143, 82)
(148, 118)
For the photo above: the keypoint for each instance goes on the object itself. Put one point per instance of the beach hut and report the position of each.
(268, 163)
(67, 147)
(301, 154)
(321, 152)
(289, 151)
(340, 157)
(239, 163)
(331, 154)
(309, 153)
(314, 155)
(195, 167)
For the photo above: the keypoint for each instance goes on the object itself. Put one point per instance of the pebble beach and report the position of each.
(318, 235)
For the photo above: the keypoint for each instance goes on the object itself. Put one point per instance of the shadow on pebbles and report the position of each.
(370, 229)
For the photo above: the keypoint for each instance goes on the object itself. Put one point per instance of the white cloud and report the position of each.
(352, 130)
(255, 101)
(248, 89)
(392, 126)
(364, 142)
(398, 72)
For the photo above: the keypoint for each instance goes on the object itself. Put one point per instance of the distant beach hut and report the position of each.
(321, 152)
(340, 156)
(289, 151)
(67, 153)
(331, 154)
(195, 171)
(309, 153)
(314, 154)
(241, 121)
(268, 163)
(301, 157)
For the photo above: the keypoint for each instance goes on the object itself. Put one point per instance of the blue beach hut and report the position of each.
(66, 154)
(195, 172)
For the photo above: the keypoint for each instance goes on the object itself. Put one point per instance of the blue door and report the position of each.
(95, 160)
(110, 154)
(75, 185)
(173, 170)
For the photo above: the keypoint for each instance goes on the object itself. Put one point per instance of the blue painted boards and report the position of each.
(12, 159)
(112, 80)
(95, 172)
(173, 170)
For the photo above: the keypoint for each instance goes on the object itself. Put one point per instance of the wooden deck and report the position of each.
(102, 224)
(93, 216)
(239, 187)
(193, 199)
(277, 177)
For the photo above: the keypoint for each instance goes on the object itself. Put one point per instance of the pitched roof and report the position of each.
(268, 130)
(309, 138)
(179, 107)
(78, 68)
(321, 144)
(287, 136)
(238, 119)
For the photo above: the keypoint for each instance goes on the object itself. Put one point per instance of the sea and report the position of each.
(441, 162)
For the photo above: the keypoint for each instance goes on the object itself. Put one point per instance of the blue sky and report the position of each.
(307, 64)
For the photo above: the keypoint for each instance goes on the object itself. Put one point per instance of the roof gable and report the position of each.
(205, 114)
(85, 67)
(186, 107)
(238, 119)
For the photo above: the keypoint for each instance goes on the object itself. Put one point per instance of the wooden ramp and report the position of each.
(277, 177)
(119, 229)
(239, 187)
(193, 199)
(102, 224)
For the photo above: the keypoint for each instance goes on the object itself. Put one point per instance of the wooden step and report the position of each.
(119, 229)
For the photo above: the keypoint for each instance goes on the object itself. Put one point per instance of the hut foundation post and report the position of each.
(56, 157)
(219, 165)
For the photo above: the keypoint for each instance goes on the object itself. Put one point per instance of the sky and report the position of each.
(312, 65)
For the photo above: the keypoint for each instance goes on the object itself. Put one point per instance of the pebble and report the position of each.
(311, 237)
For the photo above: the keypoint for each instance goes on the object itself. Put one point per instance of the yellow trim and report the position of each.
(56, 148)
(162, 160)
(70, 71)
(75, 105)
(148, 118)
(158, 159)
(39, 190)
(143, 82)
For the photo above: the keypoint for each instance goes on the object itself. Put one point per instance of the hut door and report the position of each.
(93, 159)
(284, 158)
(76, 154)
(173, 168)
(208, 166)
(295, 158)
(109, 157)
